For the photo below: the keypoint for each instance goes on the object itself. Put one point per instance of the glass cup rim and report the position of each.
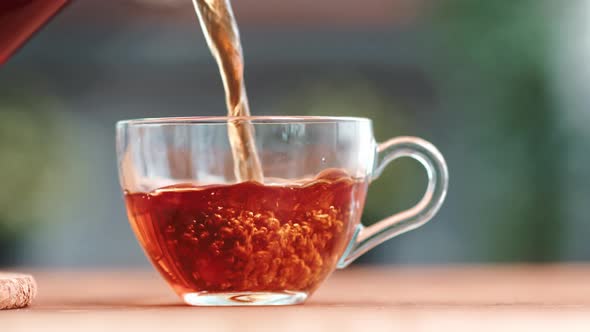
(257, 119)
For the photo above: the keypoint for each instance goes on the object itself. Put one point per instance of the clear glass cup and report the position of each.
(218, 241)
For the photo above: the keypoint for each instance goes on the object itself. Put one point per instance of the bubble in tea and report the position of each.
(248, 237)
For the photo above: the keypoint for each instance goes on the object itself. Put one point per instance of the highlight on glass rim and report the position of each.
(383, 156)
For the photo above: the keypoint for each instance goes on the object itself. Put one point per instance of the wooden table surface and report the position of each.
(476, 298)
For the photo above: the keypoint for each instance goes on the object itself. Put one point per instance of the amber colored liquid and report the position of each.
(19, 19)
(222, 35)
(248, 237)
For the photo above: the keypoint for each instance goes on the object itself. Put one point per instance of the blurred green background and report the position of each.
(498, 86)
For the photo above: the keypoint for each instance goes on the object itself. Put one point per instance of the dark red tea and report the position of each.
(19, 19)
(248, 237)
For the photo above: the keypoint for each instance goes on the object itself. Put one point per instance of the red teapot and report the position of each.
(20, 19)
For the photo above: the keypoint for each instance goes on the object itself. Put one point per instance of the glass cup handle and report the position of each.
(366, 238)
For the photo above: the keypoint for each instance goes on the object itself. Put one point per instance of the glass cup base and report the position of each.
(244, 298)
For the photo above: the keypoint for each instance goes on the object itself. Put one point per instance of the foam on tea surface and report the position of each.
(248, 237)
